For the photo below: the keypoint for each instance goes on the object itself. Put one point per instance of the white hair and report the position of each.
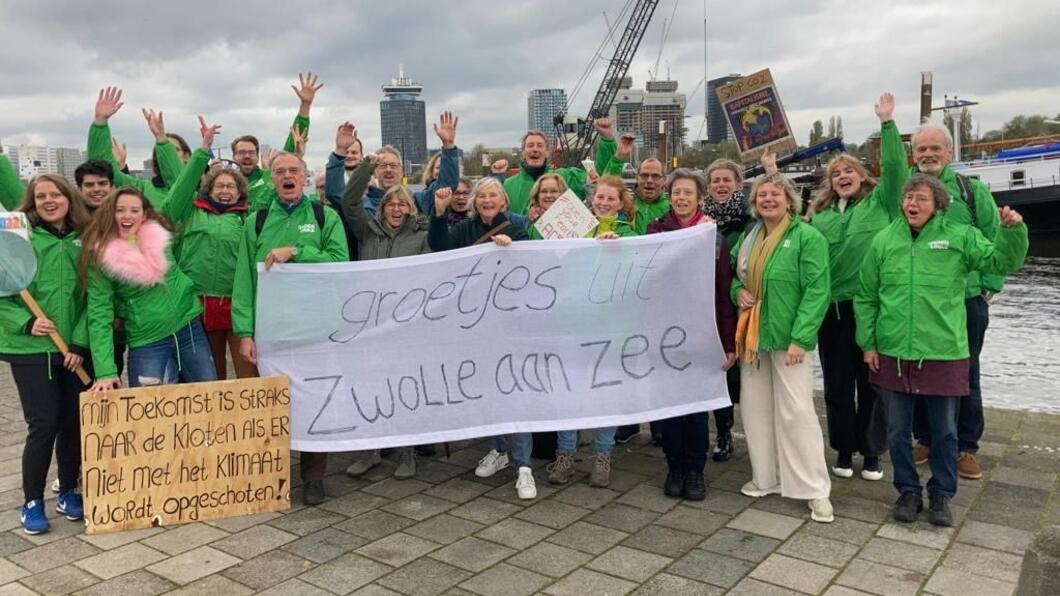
(484, 183)
(929, 126)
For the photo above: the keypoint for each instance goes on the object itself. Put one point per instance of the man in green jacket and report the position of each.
(291, 233)
(649, 196)
(932, 152)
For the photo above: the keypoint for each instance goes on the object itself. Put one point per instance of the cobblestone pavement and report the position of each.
(448, 532)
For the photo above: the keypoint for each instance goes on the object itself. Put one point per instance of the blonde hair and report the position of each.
(535, 190)
(398, 192)
(427, 176)
(481, 185)
(778, 180)
(624, 195)
(726, 164)
(826, 194)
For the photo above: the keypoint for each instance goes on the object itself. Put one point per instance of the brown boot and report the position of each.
(921, 453)
(600, 477)
(561, 470)
(967, 467)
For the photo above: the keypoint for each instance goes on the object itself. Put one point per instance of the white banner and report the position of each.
(536, 336)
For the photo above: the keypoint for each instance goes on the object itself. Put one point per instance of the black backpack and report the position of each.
(969, 197)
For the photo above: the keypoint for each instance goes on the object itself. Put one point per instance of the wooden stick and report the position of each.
(56, 338)
(490, 233)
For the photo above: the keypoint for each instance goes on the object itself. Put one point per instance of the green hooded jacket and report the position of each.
(151, 312)
(518, 186)
(55, 288)
(910, 303)
(11, 189)
(169, 164)
(850, 232)
(298, 228)
(795, 288)
(207, 241)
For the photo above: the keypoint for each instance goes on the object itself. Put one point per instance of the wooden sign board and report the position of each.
(568, 217)
(756, 116)
(173, 454)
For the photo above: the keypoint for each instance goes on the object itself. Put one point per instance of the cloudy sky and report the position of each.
(234, 61)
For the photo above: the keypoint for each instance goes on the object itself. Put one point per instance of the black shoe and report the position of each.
(939, 513)
(656, 438)
(723, 450)
(675, 483)
(625, 433)
(695, 488)
(313, 492)
(844, 465)
(909, 504)
(426, 450)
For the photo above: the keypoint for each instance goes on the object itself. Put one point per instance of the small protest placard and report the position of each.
(173, 454)
(756, 116)
(568, 217)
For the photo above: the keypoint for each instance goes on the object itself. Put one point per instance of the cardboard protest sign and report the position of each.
(568, 217)
(173, 454)
(756, 116)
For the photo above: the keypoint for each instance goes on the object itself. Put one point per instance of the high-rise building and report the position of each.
(542, 106)
(403, 120)
(30, 160)
(67, 160)
(717, 125)
(639, 111)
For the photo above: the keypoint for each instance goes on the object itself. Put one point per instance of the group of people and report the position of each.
(885, 274)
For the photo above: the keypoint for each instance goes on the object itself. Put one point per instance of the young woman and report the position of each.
(47, 385)
(210, 210)
(686, 439)
(127, 260)
(489, 222)
(781, 287)
(543, 193)
(613, 207)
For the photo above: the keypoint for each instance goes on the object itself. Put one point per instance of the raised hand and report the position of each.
(626, 142)
(885, 107)
(107, 104)
(604, 127)
(446, 129)
(769, 162)
(344, 137)
(300, 141)
(1010, 217)
(267, 156)
(155, 123)
(442, 197)
(208, 132)
(120, 151)
(499, 167)
(307, 87)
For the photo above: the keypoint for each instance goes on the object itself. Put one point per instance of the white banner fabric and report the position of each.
(537, 336)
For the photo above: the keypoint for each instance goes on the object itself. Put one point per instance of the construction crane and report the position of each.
(573, 152)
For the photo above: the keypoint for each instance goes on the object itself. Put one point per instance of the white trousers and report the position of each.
(783, 433)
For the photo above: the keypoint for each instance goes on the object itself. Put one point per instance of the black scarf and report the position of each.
(533, 172)
(733, 210)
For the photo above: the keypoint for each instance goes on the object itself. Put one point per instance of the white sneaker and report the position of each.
(491, 464)
(821, 510)
(524, 486)
(751, 490)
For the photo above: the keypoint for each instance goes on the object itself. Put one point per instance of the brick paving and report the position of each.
(448, 532)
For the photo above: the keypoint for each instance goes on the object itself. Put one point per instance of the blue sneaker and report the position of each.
(71, 505)
(33, 519)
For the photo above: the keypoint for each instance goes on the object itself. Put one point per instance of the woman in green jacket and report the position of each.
(47, 385)
(129, 265)
(911, 325)
(209, 209)
(781, 288)
(850, 209)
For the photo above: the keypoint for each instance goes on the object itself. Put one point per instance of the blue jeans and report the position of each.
(567, 440)
(517, 445)
(942, 418)
(182, 357)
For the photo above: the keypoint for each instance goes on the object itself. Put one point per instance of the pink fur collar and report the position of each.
(143, 263)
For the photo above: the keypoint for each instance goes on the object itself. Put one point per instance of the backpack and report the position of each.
(263, 214)
(969, 197)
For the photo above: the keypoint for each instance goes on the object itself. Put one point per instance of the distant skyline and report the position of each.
(480, 59)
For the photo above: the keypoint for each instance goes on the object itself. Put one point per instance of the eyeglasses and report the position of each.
(387, 166)
(245, 152)
(285, 171)
(462, 193)
(919, 200)
(650, 176)
(225, 186)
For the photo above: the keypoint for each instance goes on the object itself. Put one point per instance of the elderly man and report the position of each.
(292, 229)
(972, 204)
(648, 195)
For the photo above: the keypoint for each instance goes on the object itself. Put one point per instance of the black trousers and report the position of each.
(312, 466)
(724, 418)
(848, 396)
(49, 394)
(685, 440)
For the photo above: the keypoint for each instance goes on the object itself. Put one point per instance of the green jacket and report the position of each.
(207, 241)
(12, 191)
(55, 288)
(910, 304)
(617, 224)
(375, 240)
(151, 312)
(989, 222)
(849, 233)
(298, 229)
(795, 289)
(169, 164)
(648, 212)
(259, 182)
(518, 186)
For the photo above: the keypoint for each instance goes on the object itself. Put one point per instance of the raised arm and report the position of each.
(306, 91)
(179, 203)
(353, 210)
(605, 144)
(1003, 256)
(893, 167)
(449, 168)
(11, 189)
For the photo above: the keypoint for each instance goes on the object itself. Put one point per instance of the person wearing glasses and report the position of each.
(912, 329)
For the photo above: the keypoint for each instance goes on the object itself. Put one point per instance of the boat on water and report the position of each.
(1024, 178)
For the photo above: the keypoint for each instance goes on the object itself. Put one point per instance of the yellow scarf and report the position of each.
(751, 268)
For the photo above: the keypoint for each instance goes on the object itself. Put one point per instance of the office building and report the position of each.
(403, 120)
(542, 107)
(639, 111)
(717, 125)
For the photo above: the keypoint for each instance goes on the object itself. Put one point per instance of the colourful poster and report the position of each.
(756, 116)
